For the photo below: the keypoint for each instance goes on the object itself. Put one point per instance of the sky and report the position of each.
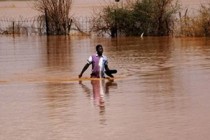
(81, 7)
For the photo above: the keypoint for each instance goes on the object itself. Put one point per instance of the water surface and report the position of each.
(161, 90)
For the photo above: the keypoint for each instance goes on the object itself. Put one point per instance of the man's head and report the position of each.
(99, 50)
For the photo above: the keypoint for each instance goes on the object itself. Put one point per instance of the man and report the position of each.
(99, 65)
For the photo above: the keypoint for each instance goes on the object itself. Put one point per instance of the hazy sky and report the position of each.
(79, 7)
(185, 3)
(97, 1)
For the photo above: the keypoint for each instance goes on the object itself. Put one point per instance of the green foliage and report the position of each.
(143, 13)
(153, 17)
(156, 17)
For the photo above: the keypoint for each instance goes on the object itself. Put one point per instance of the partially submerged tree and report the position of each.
(56, 15)
(163, 15)
(153, 17)
(113, 19)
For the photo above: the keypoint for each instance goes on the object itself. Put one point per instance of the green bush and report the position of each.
(151, 17)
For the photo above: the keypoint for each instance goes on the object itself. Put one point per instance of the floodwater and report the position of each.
(161, 90)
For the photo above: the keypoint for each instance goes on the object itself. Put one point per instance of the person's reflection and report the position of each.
(100, 88)
(98, 92)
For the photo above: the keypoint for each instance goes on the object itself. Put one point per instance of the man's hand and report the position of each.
(83, 70)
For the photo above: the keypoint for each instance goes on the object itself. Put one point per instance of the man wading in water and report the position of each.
(99, 65)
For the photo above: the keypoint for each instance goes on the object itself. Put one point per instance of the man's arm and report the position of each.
(106, 67)
(109, 72)
(84, 69)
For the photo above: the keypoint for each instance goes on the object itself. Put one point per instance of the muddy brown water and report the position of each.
(161, 90)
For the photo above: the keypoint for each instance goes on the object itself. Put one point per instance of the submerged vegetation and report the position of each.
(197, 25)
(56, 15)
(151, 17)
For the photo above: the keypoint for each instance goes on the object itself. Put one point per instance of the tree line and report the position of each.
(133, 18)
